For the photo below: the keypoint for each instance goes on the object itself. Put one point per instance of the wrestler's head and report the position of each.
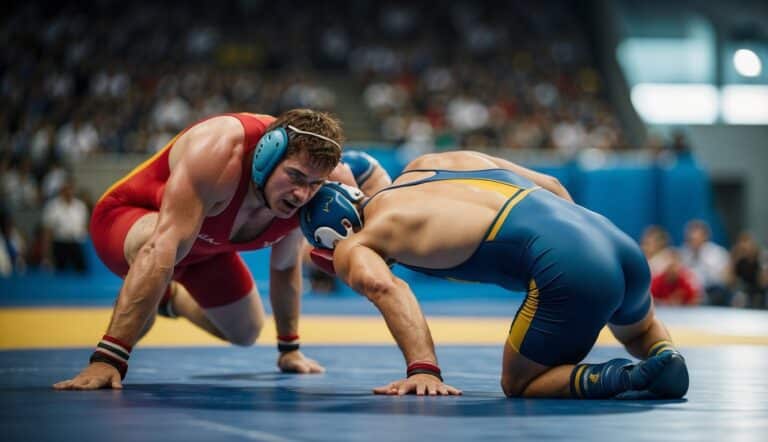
(332, 215)
(297, 153)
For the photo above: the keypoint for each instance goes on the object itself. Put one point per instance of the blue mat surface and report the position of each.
(206, 394)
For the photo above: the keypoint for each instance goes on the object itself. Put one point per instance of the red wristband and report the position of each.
(118, 342)
(287, 343)
(114, 352)
(424, 368)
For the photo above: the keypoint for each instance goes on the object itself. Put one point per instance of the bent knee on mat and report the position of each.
(242, 331)
(244, 336)
(514, 386)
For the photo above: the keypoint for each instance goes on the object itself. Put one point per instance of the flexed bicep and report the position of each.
(180, 217)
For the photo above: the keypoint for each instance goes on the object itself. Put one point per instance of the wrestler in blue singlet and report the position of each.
(578, 269)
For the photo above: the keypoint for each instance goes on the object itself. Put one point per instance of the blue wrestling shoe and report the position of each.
(663, 376)
(672, 381)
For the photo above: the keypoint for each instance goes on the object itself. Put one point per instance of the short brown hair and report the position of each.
(321, 153)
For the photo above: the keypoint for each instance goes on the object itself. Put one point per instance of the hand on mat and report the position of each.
(419, 384)
(95, 376)
(296, 362)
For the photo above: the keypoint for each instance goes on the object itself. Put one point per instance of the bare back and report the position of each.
(435, 224)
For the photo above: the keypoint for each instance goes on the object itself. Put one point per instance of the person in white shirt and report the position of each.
(708, 261)
(65, 219)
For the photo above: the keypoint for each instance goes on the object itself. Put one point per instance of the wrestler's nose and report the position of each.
(302, 194)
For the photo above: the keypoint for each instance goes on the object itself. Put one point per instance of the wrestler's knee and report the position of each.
(513, 386)
(248, 331)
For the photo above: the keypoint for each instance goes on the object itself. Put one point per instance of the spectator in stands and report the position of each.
(18, 185)
(655, 245)
(12, 245)
(680, 147)
(65, 219)
(38, 253)
(77, 139)
(748, 272)
(54, 179)
(674, 285)
(708, 261)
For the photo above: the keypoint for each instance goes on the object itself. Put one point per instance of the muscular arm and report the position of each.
(179, 220)
(285, 297)
(206, 163)
(547, 182)
(285, 283)
(367, 273)
(468, 160)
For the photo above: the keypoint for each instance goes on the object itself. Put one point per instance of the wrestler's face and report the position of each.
(293, 183)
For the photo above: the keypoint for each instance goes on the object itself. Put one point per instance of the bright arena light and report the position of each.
(745, 104)
(676, 103)
(747, 63)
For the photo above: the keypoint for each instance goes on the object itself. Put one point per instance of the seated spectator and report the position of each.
(18, 186)
(675, 285)
(5, 259)
(708, 261)
(748, 275)
(66, 227)
(12, 245)
(655, 246)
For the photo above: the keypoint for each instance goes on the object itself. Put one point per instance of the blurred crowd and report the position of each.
(123, 77)
(107, 76)
(521, 75)
(703, 272)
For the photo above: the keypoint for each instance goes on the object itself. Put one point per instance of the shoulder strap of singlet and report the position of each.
(408, 184)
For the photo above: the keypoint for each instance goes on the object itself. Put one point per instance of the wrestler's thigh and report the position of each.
(223, 287)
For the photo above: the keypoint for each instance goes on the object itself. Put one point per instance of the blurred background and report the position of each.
(652, 113)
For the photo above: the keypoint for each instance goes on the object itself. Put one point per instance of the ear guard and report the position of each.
(271, 149)
(268, 152)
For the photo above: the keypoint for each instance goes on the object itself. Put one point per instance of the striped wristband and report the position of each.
(423, 368)
(287, 343)
(114, 352)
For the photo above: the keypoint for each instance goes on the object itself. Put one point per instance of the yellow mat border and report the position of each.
(31, 328)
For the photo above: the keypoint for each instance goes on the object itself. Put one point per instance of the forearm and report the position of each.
(547, 182)
(285, 297)
(560, 190)
(144, 285)
(406, 323)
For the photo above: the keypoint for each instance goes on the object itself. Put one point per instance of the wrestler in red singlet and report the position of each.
(141, 191)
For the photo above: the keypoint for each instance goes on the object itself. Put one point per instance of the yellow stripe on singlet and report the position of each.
(523, 320)
(499, 222)
(139, 168)
(507, 190)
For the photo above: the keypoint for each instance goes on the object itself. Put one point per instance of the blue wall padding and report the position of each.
(625, 195)
(684, 194)
(632, 196)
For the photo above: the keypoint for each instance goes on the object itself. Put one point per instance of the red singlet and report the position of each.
(212, 272)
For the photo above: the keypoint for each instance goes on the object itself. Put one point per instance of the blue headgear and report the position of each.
(271, 149)
(322, 218)
(361, 164)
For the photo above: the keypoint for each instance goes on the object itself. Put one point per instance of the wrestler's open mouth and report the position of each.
(290, 205)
